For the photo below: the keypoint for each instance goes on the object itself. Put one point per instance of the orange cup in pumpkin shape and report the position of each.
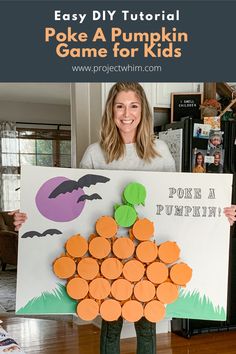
(99, 288)
(99, 247)
(167, 292)
(147, 251)
(154, 311)
(169, 252)
(106, 227)
(143, 229)
(111, 268)
(77, 288)
(87, 309)
(77, 246)
(88, 268)
(157, 272)
(144, 291)
(180, 273)
(133, 270)
(110, 310)
(64, 267)
(123, 248)
(132, 311)
(121, 289)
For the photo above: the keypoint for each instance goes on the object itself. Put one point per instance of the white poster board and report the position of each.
(186, 208)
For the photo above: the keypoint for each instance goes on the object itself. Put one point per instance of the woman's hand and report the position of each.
(230, 213)
(19, 218)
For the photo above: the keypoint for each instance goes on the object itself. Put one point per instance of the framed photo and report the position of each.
(185, 105)
(213, 121)
(201, 131)
(199, 160)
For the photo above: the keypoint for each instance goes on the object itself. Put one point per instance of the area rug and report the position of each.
(8, 290)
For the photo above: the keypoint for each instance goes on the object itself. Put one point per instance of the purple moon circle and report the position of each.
(62, 208)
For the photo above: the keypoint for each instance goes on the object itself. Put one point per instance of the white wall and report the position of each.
(34, 112)
(86, 112)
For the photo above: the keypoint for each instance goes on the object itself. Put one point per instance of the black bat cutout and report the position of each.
(89, 180)
(70, 186)
(43, 234)
(88, 197)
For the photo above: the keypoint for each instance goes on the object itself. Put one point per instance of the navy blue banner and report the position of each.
(87, 41)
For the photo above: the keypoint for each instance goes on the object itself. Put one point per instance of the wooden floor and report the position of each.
(60, 337)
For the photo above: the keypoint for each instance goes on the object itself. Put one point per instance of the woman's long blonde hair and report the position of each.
(110, 139)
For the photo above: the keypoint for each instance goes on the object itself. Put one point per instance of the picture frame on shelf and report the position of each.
(185, 104)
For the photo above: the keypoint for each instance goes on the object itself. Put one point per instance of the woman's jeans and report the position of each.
(110, 336)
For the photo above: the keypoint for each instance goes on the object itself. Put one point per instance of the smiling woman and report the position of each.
(127, 143)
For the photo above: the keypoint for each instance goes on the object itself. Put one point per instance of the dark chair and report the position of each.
(8, 240)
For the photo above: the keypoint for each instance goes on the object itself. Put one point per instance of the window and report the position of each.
(39, 147)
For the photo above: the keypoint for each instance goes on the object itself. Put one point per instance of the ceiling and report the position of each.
(51, 93)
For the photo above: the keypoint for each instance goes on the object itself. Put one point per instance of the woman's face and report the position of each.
(127, 114)
(199, 159)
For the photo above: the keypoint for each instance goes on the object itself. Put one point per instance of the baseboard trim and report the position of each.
(80, 322)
